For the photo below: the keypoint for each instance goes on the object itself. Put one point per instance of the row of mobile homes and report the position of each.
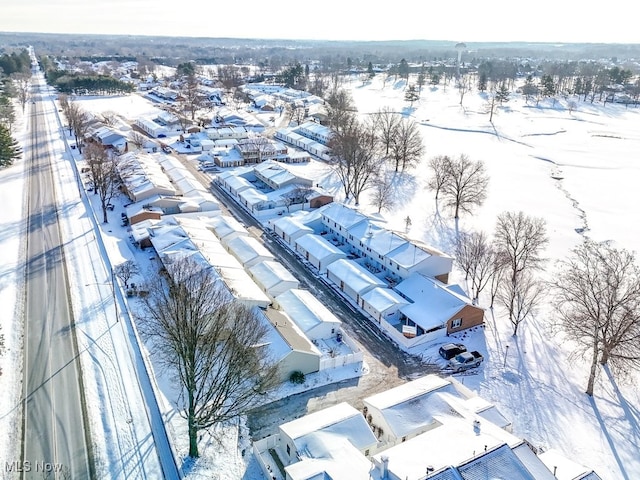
(151, 127)
(143, 177)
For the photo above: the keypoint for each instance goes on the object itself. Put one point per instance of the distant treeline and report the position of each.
(107, 58)
(15, 63)
(82, 84)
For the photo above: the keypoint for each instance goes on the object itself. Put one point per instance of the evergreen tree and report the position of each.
(370, 70)
(529, 88)
(482, 81)
(412, 94)
(9, 148)
(502, 94)
(403, 69)
(547, 86)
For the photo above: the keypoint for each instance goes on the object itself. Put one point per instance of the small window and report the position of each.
(457, 323)
(366, 453)
(288, 450)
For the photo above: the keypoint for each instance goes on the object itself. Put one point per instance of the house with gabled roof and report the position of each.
(335, 432)
(226, 227)
(383, 304)
(273, 278)
(338, 219)
(317, 251)
(305, 356)
(411, 409)
(313, 318)
(276, 176)
(352, 279)
(248, 250)
(435, 309)
(289, 229)
(143, 177)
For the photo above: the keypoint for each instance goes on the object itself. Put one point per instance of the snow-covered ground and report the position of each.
(533, 380)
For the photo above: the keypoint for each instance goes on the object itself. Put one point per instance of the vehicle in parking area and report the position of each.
(450, 350)
(465, 360)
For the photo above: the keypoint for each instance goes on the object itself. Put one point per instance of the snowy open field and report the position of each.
(532, 381)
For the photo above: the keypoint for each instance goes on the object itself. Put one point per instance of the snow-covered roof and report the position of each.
(452, 443)
(407, 391)
(291, 332)
(327, 456)
(566, 469)
(143, 176)
(291, 225)
(305, 309)
(243, 287)
(224, 226)
(409, 254)
(253, 197)
(358, 278)
(342, 215)
(341, 419)
(382, 299)
(433, 305)
(277, 173)
(378, 239)
(248, 249)
(270, 273)
(278, 347)
(318, 247)
(237, 183)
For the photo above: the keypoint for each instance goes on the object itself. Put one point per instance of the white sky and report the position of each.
(464, 20)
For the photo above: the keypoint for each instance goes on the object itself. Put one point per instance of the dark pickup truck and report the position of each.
(450, 350)
(464, 361)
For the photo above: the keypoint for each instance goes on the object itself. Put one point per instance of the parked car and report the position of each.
(465, 360)
(450, 350)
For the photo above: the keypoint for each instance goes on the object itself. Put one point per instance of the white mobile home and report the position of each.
(317, 251)
(352, 279)
(273, 278)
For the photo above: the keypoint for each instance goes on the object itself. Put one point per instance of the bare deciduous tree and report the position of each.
(109, 117)
(296, 196)
(439, 166)
(465, 186)
(22, 84)
(386, 122)
(103, 174)
(340, 109)
(192, 97)
(406, 147)
(519, 240)
(138, 139)
(78, 122)
(354, 157)
(125, 271)
(520, 298)
(296, 113)
(597, 298)
(463, 85)
(384, 195)
(476, 257)
(213, 345)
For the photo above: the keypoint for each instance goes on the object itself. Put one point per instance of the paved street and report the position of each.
(54, 430)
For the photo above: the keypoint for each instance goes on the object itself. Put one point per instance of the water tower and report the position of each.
(460, 47)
